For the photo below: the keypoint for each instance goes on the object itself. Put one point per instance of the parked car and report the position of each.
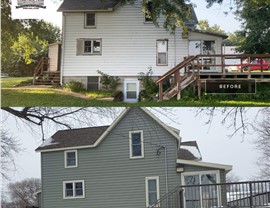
(256, 64)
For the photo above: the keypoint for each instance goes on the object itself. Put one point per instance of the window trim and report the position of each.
(167, 42)
(81, 44)
(217, 172)
(73, 182)
(146, 189)
(76, 158)
(130, 145)
(85, 21)
(131, 81)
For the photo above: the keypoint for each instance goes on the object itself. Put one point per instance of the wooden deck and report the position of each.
(198, 69)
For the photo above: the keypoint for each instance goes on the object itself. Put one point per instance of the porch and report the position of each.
(199, 68)
(238, 194)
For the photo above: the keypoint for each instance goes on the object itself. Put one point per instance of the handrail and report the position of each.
(38, 69)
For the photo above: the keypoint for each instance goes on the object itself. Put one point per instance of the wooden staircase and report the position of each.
(44, 77)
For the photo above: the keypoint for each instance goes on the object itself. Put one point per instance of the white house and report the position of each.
(120, 41)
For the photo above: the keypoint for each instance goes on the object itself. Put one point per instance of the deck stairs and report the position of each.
(44, 77)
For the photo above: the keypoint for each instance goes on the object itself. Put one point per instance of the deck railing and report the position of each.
(249, 194)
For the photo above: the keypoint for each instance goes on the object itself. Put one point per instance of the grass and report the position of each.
(49, 97)
(12, 81)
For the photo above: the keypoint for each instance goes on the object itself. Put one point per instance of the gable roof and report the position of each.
(224, 36)
(88, 5)
(92, 136)
(73, 138)
(189, 151)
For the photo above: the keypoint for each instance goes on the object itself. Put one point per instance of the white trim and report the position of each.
(73, 186)
(130, 145)
(110, 128)
(146, 188)
(205, 164)
(85, 21)
(131, 81)
(199, 173)
(76, 158)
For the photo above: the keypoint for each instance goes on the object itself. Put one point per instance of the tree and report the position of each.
(9, 147)
(234, 39)
(255, 15)
(263, 145)
(22, 193)
(204, 25)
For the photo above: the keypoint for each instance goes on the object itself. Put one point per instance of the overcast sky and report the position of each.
(215, 14)
(214, 143)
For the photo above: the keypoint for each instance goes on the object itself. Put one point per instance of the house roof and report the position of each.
(73, 138)
(189, 151)
(92, 136)
(224, 36)
(88, 5)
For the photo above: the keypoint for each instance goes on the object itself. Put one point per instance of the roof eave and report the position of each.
(205, 164)
(83, 10)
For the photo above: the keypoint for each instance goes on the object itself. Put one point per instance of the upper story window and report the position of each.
(73, 189)
(162, 52)
(90, 20)
(136, 147)
(71, 159)
(148, 15)
(152, 190)
(87, 46)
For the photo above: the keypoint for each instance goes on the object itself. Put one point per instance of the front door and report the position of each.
(131, 90)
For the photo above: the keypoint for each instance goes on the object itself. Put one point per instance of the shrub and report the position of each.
(109, 82)
(74, 86)
(150, 86)
(118, 96)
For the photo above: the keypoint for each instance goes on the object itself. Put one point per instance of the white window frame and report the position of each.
(76, 157)
(157, 52)
(129, 81)
(85, 21)
(130, 145)
(217, 172)
(74, 191)
(146, 188)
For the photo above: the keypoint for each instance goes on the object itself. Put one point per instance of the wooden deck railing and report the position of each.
(40, 68)
(217, 64)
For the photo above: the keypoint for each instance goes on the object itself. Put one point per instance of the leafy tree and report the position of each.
(204, 25)
(29, 47)
(255, 15)
(234, 39)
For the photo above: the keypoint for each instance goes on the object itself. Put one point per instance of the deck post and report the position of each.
(160, 94)
(199, 89)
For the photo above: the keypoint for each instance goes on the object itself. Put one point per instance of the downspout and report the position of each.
(166, 169)
(62, 47)
(174, 39)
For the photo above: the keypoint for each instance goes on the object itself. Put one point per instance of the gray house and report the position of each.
(131, 163)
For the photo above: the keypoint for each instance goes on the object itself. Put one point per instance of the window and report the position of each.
(162, 52)
(88, 46)
(73, 189)
(201, 196)
(90, 20)
(93, 83)
(148, 17)
(152, 190)
(136, 147)
(71, 160)
(131, 90)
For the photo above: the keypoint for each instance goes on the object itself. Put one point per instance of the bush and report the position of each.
(118, 96)
(109, 82)
(74, 86)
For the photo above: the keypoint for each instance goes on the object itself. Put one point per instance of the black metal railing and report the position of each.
(249, 194)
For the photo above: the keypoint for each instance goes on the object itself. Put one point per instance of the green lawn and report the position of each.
(12, 81)
(49, 97)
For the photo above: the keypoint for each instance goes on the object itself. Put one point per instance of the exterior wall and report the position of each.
(111, 178)
(128, 44)
(53, 57)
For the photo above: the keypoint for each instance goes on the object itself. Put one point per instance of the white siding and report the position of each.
(128, 44)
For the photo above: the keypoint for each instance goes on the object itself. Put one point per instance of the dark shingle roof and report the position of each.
(87, 5)
(185, 154)
(73, 138)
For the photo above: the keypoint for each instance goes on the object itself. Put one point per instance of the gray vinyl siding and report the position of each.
(111, 178)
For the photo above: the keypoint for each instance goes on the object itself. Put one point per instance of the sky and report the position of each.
(213, 141)
(214, 15)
